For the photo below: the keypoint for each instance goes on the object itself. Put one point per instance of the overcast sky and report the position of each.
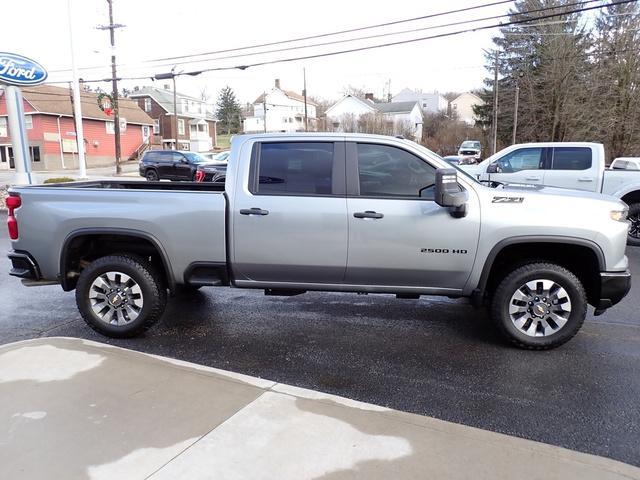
(166, 28)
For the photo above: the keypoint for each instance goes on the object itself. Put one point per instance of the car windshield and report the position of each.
(194, 157)
(470, 145)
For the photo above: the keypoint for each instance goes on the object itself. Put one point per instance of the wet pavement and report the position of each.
(432, 356)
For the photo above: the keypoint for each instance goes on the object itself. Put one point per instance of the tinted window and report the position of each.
(571, 158)
(295, 168)
(522, 159)
(386, 171)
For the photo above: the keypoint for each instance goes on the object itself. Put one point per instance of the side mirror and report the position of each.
(493, 167)
(448, 193)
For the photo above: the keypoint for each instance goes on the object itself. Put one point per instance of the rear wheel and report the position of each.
(120, 296)
(539, 306)
(151, 176)
(633, 237)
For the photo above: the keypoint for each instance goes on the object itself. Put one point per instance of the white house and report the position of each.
(463, 104)
(350, 108)
(429, 102)
(281, 111)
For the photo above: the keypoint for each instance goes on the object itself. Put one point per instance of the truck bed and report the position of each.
(185, 220)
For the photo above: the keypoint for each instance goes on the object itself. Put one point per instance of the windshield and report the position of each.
(470, 144)
(194, 157)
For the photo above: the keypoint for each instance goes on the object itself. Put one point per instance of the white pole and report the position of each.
(19, 139)
(77, 108)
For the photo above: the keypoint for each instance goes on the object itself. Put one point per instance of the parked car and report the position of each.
(471, 149)
(214, 170)
(158, 165)
(333, 212)
(216, 156)
(625, 163)
(576, 165)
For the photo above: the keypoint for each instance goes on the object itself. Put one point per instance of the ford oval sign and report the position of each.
(19, 70)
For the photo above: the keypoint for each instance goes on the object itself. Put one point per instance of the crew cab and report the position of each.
(330, 212)
(576, 165)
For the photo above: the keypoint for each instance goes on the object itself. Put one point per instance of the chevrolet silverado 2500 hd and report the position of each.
(333, 212)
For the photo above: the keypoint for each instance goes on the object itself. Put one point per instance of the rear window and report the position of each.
(571, 158)
(295, 168)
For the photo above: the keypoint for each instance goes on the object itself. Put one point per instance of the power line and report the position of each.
(399, 42)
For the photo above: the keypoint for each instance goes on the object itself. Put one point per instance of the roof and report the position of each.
(50, 99)
(292, 95)
(164, 98)
(480, 101)
(395, 107)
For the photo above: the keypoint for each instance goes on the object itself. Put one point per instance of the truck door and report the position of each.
(573, 167)
(398, 235)
(290, 223)
(523, 165)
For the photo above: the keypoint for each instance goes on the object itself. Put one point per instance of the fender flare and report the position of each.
(113, 231)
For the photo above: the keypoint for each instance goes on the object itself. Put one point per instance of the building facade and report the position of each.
(462, 107)
(280, 110)
(196, 125)
(429, 102)
(52, 136)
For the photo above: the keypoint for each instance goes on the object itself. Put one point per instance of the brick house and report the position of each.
(51, 130)
(196, 123)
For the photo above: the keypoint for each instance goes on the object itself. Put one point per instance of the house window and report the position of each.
(111, 129)
(35, 154)
(147, 104)
(180, 126)
(28, 121)
(156, 127)
(3, 127)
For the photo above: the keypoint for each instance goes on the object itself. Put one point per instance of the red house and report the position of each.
(52, 136)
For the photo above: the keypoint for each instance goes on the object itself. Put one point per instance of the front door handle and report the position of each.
(534, 179)
(585, 179)
(254, 211)
(368, 214)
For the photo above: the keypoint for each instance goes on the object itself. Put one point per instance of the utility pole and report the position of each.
(77, 104)
(114, 81)
(494, 142)
(304, 94)
(515, 114)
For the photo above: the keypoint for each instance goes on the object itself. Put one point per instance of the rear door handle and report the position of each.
(585, 179)
(368, 214)
(537, 179)
(254, 211)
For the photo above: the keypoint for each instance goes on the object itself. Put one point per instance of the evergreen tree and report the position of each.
(228, 111)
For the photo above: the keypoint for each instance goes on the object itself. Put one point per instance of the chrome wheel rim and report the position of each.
(540, 308)
(115, 298)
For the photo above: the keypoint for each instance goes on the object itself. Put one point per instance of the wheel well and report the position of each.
(581, 260)
(88, 247)
(631, 197)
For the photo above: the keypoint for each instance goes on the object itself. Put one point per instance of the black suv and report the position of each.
(169, 164)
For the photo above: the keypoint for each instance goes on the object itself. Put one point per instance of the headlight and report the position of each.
(619, 215)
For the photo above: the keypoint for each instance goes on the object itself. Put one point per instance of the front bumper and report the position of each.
(23, 266)
(614, 286)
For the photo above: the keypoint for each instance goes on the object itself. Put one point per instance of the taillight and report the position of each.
(13, 202)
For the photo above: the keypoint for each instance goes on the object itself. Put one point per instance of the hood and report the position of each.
(564, 192)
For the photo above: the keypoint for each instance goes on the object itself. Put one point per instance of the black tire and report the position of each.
(151, 175)
(633, 238)
(152, 291)
(502, 299)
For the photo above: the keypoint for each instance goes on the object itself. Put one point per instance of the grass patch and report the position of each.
(224, 141)
(59, 180)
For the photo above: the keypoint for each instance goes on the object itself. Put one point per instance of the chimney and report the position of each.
(278, 83)
(167, 86)
(368, 96)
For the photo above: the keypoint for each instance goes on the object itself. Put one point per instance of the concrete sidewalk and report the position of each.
(74, 409)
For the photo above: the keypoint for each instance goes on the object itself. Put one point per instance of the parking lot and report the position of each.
(432, 356)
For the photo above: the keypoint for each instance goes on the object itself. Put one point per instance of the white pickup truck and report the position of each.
(576, 165)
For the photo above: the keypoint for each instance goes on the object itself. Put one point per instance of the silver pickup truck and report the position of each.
(332, 212)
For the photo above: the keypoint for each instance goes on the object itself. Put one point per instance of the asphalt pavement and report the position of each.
(432, 356)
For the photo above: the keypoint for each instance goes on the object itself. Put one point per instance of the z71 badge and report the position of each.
(507, 200)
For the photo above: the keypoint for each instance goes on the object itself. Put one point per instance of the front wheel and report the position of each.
(539, 306)
(120, 296)
(633, 238)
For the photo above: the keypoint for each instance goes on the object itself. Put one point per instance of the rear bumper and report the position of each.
(614, 286)
(23, 266)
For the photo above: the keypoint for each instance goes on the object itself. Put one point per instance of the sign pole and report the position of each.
(77, 107)
(19, 139)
